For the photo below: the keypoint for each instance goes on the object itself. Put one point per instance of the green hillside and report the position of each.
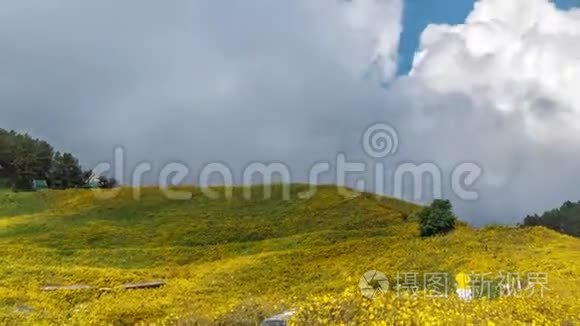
(238, 261)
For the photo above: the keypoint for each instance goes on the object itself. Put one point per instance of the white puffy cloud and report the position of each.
(520, 57)
(381, 20)
(500, 90)
(367, 39)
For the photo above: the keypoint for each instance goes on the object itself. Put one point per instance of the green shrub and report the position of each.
(438, 218)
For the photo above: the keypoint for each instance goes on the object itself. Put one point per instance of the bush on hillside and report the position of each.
(438, 218)
(107, 183)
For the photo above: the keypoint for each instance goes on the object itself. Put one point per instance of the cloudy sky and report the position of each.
(493, 82)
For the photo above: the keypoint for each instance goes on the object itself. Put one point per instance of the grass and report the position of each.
(238, 261)
(13, 204)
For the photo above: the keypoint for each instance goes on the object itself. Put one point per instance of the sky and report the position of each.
(417, 14)
(493, 83)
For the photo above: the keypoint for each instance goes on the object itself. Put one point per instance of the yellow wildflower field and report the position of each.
(238, 261)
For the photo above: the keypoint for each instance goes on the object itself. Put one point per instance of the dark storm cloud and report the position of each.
(143, 74)
(202, 81)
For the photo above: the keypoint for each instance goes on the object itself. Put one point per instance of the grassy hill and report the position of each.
(238, 261)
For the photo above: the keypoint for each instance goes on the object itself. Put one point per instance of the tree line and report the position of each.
(565, 219)
(24, 159)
